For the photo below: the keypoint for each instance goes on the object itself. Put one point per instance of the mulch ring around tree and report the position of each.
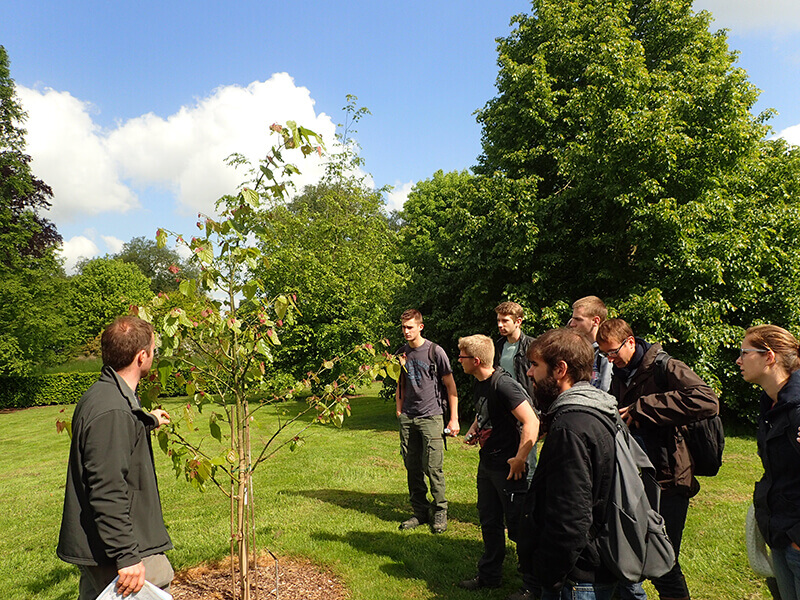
(298, 579)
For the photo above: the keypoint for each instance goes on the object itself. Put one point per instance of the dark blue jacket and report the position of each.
(777, 495)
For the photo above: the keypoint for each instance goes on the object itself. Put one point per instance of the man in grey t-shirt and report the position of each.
(420, 409)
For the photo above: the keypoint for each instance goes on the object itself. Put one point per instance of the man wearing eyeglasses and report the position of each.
(506, 427)
(654, 416)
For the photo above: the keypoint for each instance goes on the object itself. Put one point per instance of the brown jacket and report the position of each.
(659, 414)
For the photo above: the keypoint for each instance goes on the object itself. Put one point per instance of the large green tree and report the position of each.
(334, 247)
(162, 266)
(103, 289)
(650, 183)
(32, 327)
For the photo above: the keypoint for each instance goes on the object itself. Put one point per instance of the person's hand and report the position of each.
(517, 468)
(625, 413)
(472, 437)
(161, 415)
(131, 579)
(454, 426)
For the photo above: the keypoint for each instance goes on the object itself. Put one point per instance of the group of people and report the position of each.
(565, 384)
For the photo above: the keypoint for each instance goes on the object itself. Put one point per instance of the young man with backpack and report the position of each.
(506, 427)
(567, 502)
(657, 408)
(425, 379)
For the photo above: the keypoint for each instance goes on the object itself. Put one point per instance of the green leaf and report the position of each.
(393, 370)
(216, 432)
(187, 287)
(250, 197)
(163, 440)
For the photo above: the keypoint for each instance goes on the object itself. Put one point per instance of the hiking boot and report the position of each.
(476, 583)
(439, 522)
(413, 522)
(521, 594)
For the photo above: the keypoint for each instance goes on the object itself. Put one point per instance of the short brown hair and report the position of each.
(510, 308)
(123, 340)
(479, 346)
(591, 306)
(613, 329)
(781, 342)
(411, 314)
(565, 345)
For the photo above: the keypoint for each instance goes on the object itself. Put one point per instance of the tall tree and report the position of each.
(32, 328)
(334, 247)
(103, 289)
(162, 266)
(650, 181)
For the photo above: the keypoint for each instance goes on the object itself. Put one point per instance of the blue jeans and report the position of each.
(582, 591)
(786, 564)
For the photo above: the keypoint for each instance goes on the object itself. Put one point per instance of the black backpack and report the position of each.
(705, 439)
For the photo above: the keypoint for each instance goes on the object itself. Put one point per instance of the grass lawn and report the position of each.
(337, 501)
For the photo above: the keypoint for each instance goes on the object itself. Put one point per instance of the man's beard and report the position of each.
(545, 392)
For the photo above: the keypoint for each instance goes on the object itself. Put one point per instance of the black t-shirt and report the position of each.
(495, 398)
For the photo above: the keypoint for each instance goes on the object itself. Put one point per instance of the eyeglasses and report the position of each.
(465, 357)
(743, 351)
(612, 353)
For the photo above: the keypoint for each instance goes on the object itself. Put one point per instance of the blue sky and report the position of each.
(133, 106)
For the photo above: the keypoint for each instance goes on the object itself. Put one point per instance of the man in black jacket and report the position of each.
(567, 500)
(112, 523)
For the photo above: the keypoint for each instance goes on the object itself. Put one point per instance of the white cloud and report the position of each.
(741, 16)
(69, 154)
(791, 135)
(75, 249)
(113, 244)
(398, 196)
(93, 171)
(185, 152)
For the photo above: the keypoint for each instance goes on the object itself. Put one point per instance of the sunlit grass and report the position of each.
(337, 501)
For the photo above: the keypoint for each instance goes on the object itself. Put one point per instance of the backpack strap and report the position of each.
(660, 370)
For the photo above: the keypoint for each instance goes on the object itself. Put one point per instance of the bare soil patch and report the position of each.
(298, 579)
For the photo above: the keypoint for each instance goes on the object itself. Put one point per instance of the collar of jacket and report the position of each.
(788, 396)
(110, 375)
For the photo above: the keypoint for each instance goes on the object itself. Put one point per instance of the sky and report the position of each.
(133, 107)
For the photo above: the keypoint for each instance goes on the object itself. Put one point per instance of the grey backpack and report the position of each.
(633, 542)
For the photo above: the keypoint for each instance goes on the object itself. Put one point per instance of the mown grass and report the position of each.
(337, 501)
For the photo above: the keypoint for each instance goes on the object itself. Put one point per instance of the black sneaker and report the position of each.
(476, 583)
(521, 594)
(413, 522)
(439, 522)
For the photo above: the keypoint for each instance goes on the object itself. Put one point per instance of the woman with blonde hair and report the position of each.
(770, 357)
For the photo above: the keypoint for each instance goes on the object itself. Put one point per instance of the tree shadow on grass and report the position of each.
(47, 580)
(438, 560)
(385, 506)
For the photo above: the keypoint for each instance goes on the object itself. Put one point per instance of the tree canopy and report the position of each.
(647, 182)
(32, 327)
(161, 265)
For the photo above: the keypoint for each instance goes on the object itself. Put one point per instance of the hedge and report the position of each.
(58, 388)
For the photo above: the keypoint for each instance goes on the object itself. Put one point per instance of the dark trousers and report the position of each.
(673, 508)
(500, 504)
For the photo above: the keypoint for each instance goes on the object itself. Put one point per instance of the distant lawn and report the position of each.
(337, 501)
(78, 365)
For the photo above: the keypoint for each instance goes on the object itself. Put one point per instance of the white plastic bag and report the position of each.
(757, 553)
(148, 592)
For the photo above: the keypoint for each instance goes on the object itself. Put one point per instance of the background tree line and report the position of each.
(621, 158)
